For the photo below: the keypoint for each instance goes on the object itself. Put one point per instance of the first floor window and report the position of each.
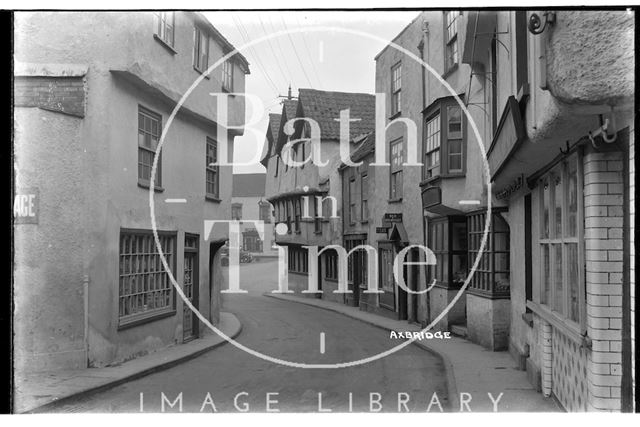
(236, 211)
(364, 197)
(149, 130)
(397, 157)
(317, 219)
(561, 248)
(227, 75)
(165, 29)
(444, 140)
(432, 148)
(265, 212)
(352, 200)
(145, 289)
(200, 49)
(212, 169)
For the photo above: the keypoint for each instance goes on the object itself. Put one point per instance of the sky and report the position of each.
(321, 59)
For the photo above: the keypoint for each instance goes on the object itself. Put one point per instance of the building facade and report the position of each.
(307, 198)
(561, 164)
(90, 106)
(248, 203)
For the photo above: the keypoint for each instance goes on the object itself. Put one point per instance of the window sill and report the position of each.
(157, 189)
(396, 200)
(567, 327)
(450, 71)
(434, 179)
(165, 45)
(395, 115)
(230, 92)
(212, 198)
(206, 76)
(143, 318)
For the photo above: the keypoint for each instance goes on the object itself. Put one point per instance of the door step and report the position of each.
(458, 330)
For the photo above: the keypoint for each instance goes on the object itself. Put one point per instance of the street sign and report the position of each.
(25, 206)
(392, 217)
(382, 230)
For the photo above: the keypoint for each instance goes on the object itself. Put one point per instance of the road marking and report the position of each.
(175, 200)
(321, 342)
(469, 202)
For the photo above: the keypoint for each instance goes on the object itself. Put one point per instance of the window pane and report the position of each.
(572, 276)
(572, 198)
(454, 122)
(559, 200)
(559, 291)
(545, 210)
(546, 276)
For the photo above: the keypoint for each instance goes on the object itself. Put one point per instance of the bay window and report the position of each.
(444, 143)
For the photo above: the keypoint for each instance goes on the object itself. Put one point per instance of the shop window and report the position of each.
(491, 277)
(447, 239)
(298, 260)
(331, 265)
(145, 290)
(561, 246)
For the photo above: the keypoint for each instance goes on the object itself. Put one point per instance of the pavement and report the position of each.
(39, 392)
(470, 368)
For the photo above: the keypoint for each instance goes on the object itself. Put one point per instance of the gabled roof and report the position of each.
(248, 185)
(271, 135)
(289, 108)
(324, 107)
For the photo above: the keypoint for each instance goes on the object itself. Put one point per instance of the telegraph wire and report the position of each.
(296, 53)
(245, 37)
(283, 74)
(313, 67)
(284, 56)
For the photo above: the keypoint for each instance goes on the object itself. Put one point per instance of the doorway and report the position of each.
(190, 286)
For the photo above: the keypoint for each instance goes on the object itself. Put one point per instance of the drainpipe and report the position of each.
(425, 83)
(85, 291)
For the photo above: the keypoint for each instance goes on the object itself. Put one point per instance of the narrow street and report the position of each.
(288, 331)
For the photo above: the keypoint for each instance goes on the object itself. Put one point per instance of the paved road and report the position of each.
(288, 331)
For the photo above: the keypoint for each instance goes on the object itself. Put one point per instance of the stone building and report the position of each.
(560, 88)
(93, 94)
(307, 198)
(248, 203)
